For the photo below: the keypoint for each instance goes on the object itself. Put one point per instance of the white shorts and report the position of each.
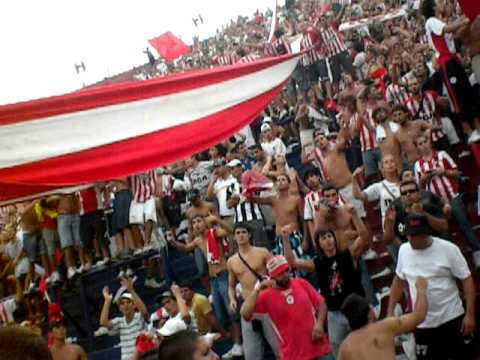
(306, 137)
(140, 213)
(347, 194)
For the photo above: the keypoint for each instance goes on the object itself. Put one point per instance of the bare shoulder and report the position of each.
(232, 260)
(264, 252)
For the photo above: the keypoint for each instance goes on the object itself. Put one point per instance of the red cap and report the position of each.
(277, 265)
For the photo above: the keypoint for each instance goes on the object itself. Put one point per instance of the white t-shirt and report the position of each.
(224, 189)
(382, 191)
(128, 333)
(12, 249)
(381, 134)
(441, 264)
(162, 313)
(435, 26)
(274, 147)
(199, 177)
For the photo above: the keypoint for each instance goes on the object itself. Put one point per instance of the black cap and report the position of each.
(165, 294)
(416, 224)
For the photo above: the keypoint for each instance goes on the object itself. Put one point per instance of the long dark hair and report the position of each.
(428, 8)
(320, 234)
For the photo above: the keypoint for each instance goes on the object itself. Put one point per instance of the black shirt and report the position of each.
(338, 277)
(432, 204)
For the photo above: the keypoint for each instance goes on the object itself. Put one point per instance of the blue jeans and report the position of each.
(221, 304)
(458, 212)
(338, 330)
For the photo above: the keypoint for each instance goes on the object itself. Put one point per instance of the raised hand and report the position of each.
(106, 294)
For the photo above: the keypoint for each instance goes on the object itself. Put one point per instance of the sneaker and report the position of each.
(474, 137)
(384, 272)
(55, 277)
(87, 267)
(476, 258)
(99, 263)
(137, 252)
(121, 274)
(152, 283)
(370, 255)
(106, 260)
(71, 272)
(147, 248)
(80, 269)
(464, 153)
(236, 350)
(129, 272)
(102, 330)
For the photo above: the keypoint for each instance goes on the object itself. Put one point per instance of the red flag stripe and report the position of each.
(130, 156)
(107, 95)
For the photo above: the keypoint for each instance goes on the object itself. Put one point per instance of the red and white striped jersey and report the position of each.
(143, 186)
(368, 139)
(222, 60)
(248, 59)
(312, 199)
(319, 162)
(332, 40)
(278, 47)
(425, 109)
(307, 42)
(442, 186)
(396, 94)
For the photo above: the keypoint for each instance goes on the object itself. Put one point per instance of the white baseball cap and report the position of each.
(265, 127)
(172, 326)
(233, 163)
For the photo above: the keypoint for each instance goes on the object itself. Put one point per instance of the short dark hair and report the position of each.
(427, 8)
(22, 343)
(409, 182)
(185, 283)
(356, 309)
(310, 172)
(179, 346)
(242, 225)
(329, 186)
(401, 108)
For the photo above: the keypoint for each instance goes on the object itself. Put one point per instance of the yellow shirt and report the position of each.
(201, 307)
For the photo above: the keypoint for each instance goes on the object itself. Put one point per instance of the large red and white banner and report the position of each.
(121, 129)
(355, 24)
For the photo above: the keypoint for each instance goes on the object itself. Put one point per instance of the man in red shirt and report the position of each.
(296, 310)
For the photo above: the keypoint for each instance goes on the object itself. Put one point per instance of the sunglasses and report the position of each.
(406, 192)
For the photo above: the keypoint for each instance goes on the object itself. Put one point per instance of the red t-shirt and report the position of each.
(89, 201)
(293, 316)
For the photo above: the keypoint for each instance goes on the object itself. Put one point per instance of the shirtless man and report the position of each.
(248, 276)
(333, 214)
(217, 269)
(408, 131)
(385, 135)
(330, 158)
(199, 208)
(372, 340)
(60, 350)
(69, 233)
(287, 209)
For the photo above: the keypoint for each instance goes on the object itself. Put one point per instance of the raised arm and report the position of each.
(396, 293)
(409, 322)
(106, 308)
(139, 304)
(182, 306)
(294, 263)
(356, 190)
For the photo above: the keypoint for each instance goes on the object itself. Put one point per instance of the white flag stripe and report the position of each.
(64, 134)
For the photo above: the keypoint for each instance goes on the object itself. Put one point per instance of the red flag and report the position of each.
(471, 8)
(169, 46)
(58, 256)
(253, 182)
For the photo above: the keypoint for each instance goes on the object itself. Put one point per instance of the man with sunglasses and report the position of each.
(413, 200)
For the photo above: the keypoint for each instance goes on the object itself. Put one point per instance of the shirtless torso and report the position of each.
(28, 219)
(369, 343)
(68, 352)
(203, 209)
(68, 204)
(390, 145)
(287, 209)
(256, 257)
(405, 136)
(213, 269)
(336, 167)
(340, 221)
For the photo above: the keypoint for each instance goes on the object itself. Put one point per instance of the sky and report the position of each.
(43, 40)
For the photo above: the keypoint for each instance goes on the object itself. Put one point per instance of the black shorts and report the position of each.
(92, 226)
(460, 92)
(121, 210)
(441, 343)
(322, 70)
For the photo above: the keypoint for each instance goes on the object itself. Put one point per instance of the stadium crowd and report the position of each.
(381, 112)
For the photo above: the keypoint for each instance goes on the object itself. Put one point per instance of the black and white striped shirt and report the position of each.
(128, 333)
(245, 210)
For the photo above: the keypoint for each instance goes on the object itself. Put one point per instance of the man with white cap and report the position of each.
(131, 324)
(271, 145)
(291, 305)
